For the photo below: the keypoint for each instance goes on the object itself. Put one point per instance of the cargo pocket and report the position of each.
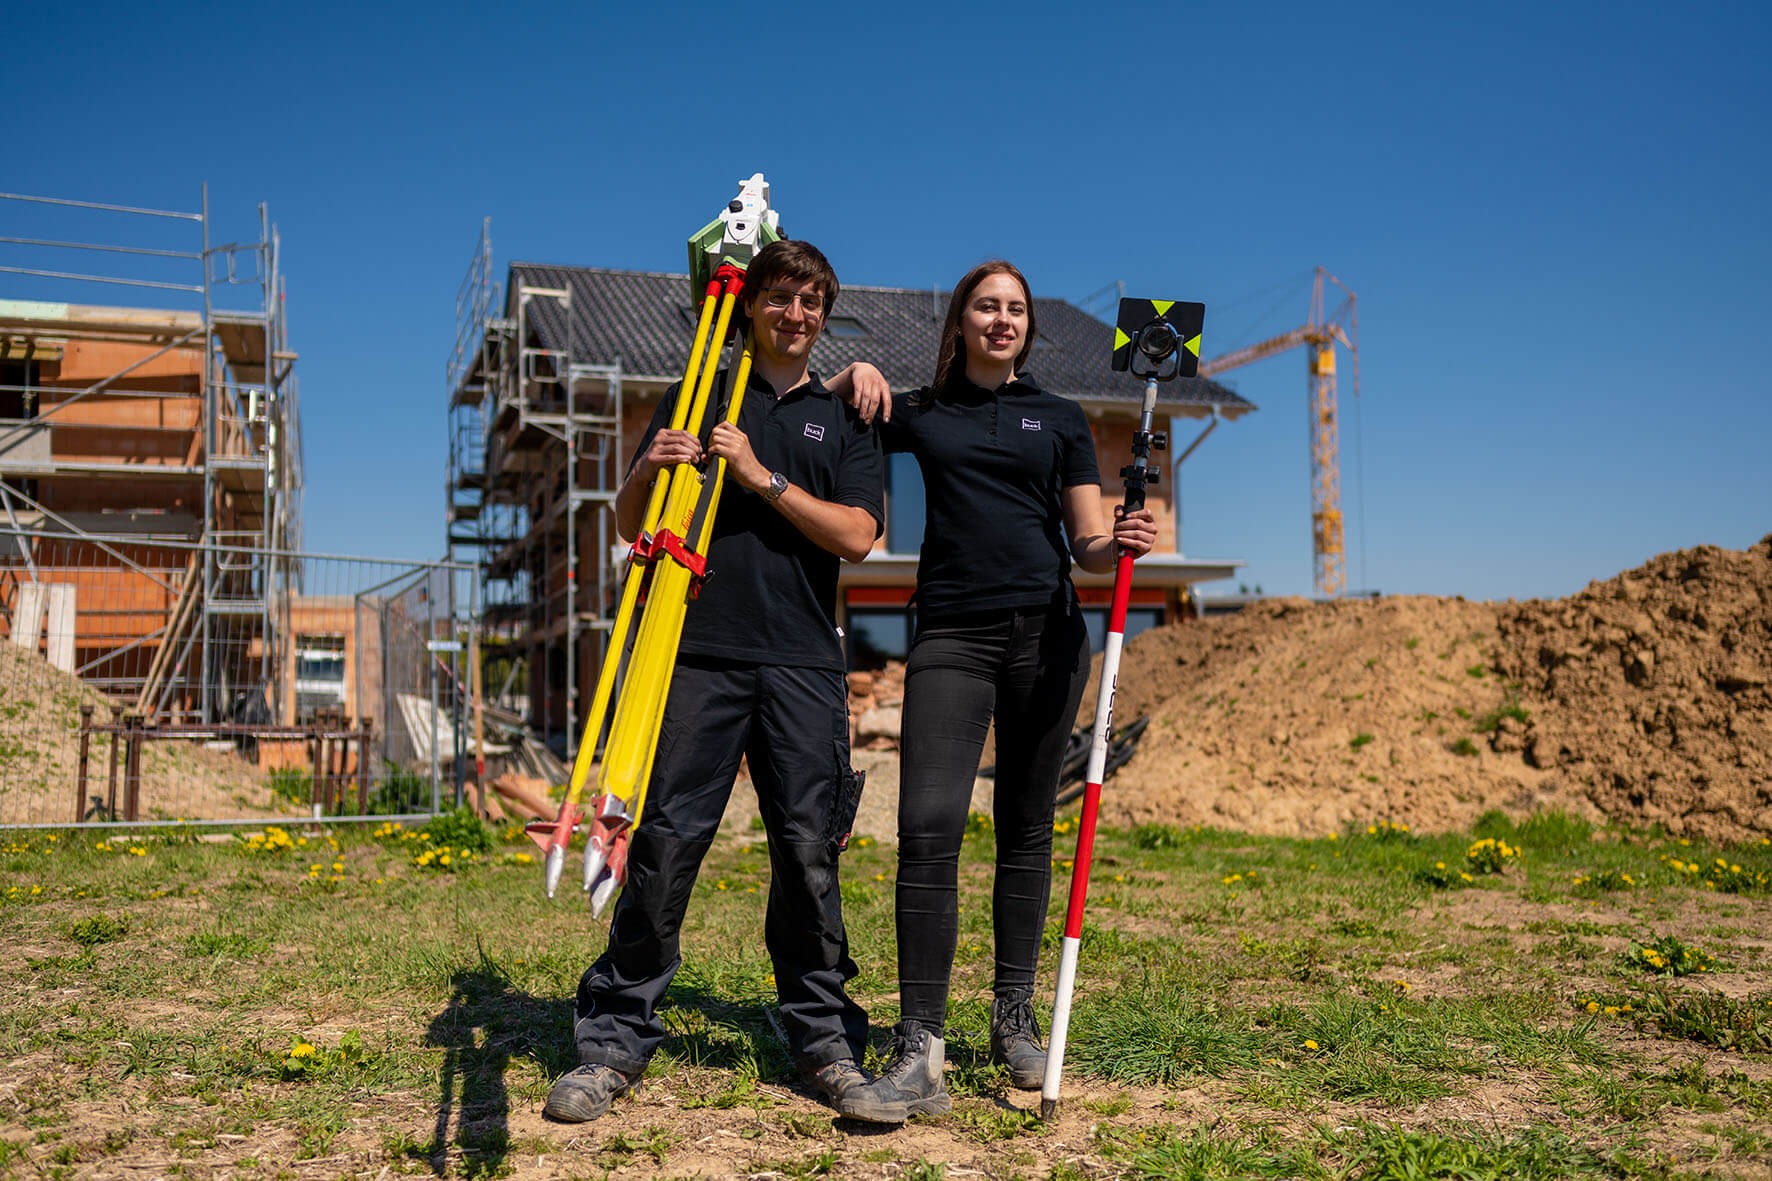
(849, 785)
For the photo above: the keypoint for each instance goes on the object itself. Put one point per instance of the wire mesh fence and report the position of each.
(147, 680)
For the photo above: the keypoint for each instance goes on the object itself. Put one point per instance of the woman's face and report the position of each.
(994, 323)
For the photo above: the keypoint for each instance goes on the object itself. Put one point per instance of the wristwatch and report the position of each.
(778, 484)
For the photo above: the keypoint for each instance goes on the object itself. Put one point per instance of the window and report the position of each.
(1137, 620)
(877, 634)
(320, 658)
(904, 504)
(846, 327)
(319, 674)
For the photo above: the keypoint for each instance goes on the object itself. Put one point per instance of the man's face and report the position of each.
(785, 327)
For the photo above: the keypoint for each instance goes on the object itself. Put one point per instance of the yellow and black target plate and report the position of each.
(1188, 320)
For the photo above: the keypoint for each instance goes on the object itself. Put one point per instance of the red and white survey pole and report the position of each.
(1170, 343)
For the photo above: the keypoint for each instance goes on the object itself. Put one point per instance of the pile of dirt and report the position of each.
(1643, 698)
(40, 757)
(1654, 690)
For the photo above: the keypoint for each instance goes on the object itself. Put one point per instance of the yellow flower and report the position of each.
(1309, 1044)
(524, 859)
(302, 1050)
(1592, 1006)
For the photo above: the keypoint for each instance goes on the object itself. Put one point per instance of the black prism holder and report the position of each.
(1158, 340)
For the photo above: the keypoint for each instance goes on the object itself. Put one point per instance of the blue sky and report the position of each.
(1555, 217)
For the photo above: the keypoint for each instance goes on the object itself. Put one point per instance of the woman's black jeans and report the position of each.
(1027, 668)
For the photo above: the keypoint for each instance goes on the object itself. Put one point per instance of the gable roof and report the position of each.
(644, 319)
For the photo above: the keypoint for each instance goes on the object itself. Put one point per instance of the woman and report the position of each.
(1009, 473)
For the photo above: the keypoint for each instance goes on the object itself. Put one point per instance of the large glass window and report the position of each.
(878, 634)
(319, 674)
(904, 504)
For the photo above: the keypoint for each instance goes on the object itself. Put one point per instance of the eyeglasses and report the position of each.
(780, 297)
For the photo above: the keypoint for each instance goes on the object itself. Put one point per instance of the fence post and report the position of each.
(362, 766)
(85, 751)
(132, 767)
(321, 772)
(116, 741)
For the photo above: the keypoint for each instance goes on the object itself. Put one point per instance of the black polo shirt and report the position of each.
(771, 594)
(995, 464)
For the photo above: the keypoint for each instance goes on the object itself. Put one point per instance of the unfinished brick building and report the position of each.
(150, 457)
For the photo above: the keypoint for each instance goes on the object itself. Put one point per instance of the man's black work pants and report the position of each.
(1027, 669)
(793, 724)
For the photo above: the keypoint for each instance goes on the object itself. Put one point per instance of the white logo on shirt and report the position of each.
(814, 431)
(1030, 424)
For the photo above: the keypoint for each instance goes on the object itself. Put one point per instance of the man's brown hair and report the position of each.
(794, 261)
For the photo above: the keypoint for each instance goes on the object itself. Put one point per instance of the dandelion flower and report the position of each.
(1309, 1044)
(302, 1050)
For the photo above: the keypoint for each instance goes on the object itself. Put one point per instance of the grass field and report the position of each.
(317, 1003)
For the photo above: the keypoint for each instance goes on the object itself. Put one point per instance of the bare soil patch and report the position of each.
(1644, 698)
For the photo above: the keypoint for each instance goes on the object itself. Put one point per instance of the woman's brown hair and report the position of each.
(945, 356)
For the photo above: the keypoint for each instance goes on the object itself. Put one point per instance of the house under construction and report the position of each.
(126, 426)
(563, 361)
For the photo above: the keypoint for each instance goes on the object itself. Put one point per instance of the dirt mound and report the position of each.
(1653, 689)
(40, 755)
(1298, 718)
(1643, 698)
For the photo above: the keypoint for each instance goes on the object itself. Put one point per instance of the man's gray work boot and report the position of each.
(585, 1092)
(1015, 1041)
(912, 1085)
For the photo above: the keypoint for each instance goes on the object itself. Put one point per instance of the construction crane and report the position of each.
(1319, 334)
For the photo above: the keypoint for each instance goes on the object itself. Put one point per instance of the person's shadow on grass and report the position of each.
(487, 1022)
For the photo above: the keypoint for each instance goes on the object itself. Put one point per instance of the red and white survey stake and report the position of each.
(1137, 476)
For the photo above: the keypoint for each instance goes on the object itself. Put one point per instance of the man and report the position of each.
(760, 673)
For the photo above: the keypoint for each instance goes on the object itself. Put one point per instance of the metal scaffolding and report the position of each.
(179, 422)
(535, 459)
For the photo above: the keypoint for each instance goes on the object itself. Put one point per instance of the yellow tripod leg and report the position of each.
(553, 838)
(633, 576)
(633, 736)
(625, 740)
